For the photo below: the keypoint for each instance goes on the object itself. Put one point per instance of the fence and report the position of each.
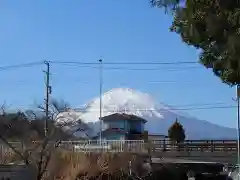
(135, 146)
(196, 145)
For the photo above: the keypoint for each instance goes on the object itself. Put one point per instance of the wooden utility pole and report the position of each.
(48, 92)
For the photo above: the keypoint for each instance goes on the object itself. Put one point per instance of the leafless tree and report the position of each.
(35, 150)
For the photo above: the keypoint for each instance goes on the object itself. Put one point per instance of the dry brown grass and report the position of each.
(67, 165)
(70, 165)
(6, 158)
(7, 155)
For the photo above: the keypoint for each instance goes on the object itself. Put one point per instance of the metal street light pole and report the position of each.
(238, 128)
(100, 105)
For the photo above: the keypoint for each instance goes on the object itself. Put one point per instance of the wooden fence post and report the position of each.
(149, 146)
(212, 146)
(164, 145)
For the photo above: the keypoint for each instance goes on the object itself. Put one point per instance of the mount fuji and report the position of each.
(159, 116)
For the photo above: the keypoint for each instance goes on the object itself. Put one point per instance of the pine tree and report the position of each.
(176, 132)
(212, 27)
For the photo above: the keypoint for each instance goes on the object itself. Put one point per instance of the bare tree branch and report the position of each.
(37, 149)
(3, 108)
(31, 115)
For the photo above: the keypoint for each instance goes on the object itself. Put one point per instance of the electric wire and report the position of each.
(183, 107)
(124, 63)
(89, 65)
(137, 69)
(159, 110)
(23, 65)
(118, 67)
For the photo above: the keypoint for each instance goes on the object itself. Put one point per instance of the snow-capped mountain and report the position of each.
(159, 116)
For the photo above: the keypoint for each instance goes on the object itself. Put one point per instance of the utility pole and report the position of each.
(100, 105)
(238, 129)
(48, 92)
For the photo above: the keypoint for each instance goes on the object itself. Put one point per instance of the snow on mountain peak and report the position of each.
(122, 100)
(159, 116)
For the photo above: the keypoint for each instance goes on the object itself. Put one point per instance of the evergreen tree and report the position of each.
(212, 26)
(176, 132)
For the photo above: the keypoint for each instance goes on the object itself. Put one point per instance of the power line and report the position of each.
(23, 65)
(124, 63)
(90, 65)
(80, 80)
(202, 108)
(81, 64)
(72, 79)
(199, 104)
(154, 110)
(149, 69)
(135, 69)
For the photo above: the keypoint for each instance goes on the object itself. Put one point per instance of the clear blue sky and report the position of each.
(116, 31)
